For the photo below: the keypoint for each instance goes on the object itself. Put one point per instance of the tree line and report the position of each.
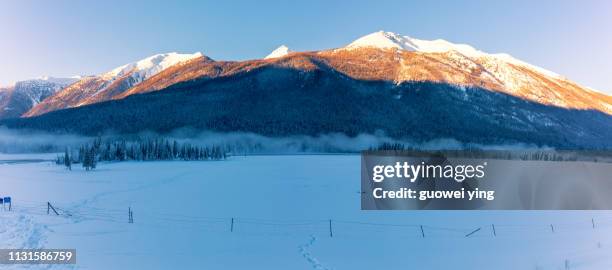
(88, 155)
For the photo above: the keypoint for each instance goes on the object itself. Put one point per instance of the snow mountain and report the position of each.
(23, 95)
(389, 40)
(407, 88)
(102, 87)
(377, 56)
(469, 66)
(149, 66)
(279, 52)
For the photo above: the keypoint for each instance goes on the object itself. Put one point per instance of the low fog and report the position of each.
(19, 141)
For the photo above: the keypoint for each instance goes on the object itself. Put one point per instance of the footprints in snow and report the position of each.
(305, 252)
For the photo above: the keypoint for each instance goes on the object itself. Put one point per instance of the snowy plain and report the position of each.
(281, 206)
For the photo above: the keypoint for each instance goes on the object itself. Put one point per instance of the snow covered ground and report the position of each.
(281, 207)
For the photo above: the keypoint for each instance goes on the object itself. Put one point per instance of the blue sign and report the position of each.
(7, 199)
(1, 200)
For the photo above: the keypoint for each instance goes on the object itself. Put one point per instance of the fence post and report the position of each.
(552, 228)
(593, 222)
(331, 232)
(494, 232)
(232, 225)
(130, 215)
(422, 231)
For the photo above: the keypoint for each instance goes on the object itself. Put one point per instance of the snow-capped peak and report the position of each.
(389, 40)
(151, 65)
(279, 52)
(45, 80)
(61, 81)
(383, 40)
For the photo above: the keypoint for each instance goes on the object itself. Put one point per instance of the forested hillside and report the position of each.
(277, 101)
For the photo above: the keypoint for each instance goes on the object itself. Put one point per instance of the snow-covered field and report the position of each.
(281, 206)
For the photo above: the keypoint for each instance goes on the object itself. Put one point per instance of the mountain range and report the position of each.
(92, 89)
(383, 82)
(19, 98)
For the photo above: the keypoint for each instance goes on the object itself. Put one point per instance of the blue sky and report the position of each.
(62, 38)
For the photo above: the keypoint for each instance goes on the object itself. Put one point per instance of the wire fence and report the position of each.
(335, 228)
(332, 227)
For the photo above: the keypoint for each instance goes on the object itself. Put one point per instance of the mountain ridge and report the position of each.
(92, 89)
(425, 92)
(322, 101)
(20, 97)
(436, 60)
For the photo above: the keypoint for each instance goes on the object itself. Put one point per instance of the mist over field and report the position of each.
(21, 141)
(18, 141)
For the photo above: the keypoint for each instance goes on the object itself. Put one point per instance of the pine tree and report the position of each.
(86, 160)
(67, 160)
(92, 155)
(89, 159)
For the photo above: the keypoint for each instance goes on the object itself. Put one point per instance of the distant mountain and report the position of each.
(17, 99)
(407, 88)
(279, 52)
(397, 59)
(462, 64)
(385, 56)
(102, 87)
